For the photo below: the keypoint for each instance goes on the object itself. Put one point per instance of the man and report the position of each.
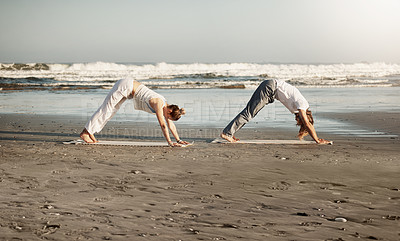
(266, 93)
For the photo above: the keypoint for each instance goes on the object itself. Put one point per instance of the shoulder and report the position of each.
(156, 100)
(157, 103)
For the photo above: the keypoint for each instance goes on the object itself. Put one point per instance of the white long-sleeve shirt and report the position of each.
(290, 97)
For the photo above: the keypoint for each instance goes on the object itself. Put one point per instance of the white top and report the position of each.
(142, 97)
(290, 97)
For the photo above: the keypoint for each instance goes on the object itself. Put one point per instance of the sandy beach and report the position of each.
(122, 67)
(205, 192)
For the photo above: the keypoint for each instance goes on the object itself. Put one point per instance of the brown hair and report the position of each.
(303, 130)
(176, 112)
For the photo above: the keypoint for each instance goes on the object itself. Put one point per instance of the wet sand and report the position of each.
(205, 192)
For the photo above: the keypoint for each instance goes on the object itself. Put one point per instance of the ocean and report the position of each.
(212, 94)
(196, 75)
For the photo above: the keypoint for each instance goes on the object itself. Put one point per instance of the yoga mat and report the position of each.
(291, 142)
(121, 143)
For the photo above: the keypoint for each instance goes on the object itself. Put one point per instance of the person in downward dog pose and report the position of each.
(266, 93)
(144, 99)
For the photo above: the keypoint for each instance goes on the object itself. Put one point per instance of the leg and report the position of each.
(106, 111)
(263, 95)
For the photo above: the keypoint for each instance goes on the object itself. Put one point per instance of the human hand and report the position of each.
(174, 144)
(183, 142)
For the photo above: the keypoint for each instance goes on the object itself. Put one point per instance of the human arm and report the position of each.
(174, 132)
(158, 106)
(164, 129)
(310, 127)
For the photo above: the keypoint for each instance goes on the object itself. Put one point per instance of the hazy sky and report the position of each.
(287, 31)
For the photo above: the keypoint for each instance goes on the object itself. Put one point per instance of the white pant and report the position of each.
(117, 95)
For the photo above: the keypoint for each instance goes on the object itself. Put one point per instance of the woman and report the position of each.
(145, 100)
(266, 93)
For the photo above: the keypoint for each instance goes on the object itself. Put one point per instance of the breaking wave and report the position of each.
(195, 75)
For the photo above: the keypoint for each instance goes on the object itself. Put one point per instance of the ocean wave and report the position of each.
(200, 75)
(24, 67)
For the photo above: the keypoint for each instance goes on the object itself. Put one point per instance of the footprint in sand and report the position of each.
(281, 186)
(102, 199)
(322, 185)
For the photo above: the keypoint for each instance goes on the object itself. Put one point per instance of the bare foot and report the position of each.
(93, 138)
(86, 136)
(324, 142)
(229, 138)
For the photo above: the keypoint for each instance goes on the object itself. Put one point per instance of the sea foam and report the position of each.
(203, 75)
